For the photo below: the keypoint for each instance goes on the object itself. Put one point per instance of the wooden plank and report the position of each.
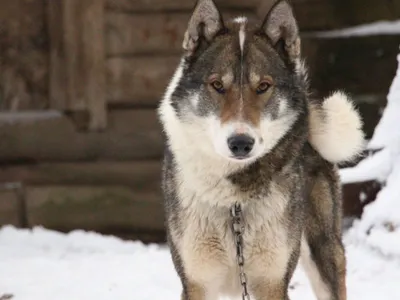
(58, 79)
(334, 14)
(23, 56)
(120, 209)
(362, 66)
(139, 80)
(145, 237)
(94, 53)
(9, 208)
(107, 208)
(77, 58)
(168, 5)
(371, 112)
(357, 195)
(359, 65)
(129, 34)
(132, 134)
(141, 175)
(311, 14)
(134, 34)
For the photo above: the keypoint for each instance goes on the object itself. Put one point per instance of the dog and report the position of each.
(242, 130)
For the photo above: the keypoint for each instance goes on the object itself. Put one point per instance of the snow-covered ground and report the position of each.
(44, 265)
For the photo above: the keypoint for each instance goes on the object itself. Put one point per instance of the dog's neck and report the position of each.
(288, 149)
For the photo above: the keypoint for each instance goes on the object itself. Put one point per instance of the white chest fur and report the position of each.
(207, 244)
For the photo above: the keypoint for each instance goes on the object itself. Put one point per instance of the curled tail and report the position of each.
(336, 128)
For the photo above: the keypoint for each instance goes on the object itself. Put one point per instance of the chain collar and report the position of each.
(238, 230)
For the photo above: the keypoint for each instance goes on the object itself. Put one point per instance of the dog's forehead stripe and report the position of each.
(242, 21)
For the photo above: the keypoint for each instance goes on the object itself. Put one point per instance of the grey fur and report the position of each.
(290, 195)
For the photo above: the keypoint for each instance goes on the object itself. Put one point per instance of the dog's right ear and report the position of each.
(205, 23)
(280, 26)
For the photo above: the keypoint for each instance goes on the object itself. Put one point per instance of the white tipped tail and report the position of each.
(336, 129)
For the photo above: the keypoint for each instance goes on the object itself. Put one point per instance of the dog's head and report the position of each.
(235, 93)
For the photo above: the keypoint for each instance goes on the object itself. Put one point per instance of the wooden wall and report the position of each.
(79, 83)
(23, 55)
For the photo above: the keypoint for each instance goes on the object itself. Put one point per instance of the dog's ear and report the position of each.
(205, 23)
(281, 27)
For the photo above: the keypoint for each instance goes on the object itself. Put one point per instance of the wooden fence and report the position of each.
(80, 144)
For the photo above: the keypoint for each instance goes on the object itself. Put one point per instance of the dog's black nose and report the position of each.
(240, 145)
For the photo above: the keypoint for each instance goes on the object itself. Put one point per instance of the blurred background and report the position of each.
(80, 144)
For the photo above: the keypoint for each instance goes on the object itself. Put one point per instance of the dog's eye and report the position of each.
(263, 87)
(218, 86)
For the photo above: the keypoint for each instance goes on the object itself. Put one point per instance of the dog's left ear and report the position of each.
(205, 23)
(281, 27)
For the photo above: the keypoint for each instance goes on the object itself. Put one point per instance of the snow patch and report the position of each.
(379, 227)
(376, 167)
(376, 28)
(39, 264)
(363, 197)
(28, 116)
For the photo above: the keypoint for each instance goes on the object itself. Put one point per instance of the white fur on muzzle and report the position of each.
(336, 129)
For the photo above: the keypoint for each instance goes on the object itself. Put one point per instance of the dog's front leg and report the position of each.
(194, 291)
(267, 290)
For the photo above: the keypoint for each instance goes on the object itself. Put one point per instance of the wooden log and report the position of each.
(77, 58)
(357, 195)
(362, 66)
(132, 34)
(119, 209)
(145, 237)
(371, 112)
(311, 14)
(23, 56)
(10, 213)
(359, 65)
(334, 14)
(132, 134)
(58, 79)
(168, 5)
(139, 80)
(140, 175)
(107, 208)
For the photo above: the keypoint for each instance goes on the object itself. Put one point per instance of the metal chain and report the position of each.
(238, 230)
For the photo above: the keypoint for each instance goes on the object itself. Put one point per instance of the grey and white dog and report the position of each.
(242, 129)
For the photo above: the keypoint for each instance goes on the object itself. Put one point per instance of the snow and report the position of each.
(386, 137)
(28, 116)
(376, 28)
(387, 132)
(10, 185)
(363, 197)
(39, 264)
(376, 167)
(379, 227)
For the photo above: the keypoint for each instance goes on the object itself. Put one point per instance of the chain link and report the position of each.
(238, 230)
